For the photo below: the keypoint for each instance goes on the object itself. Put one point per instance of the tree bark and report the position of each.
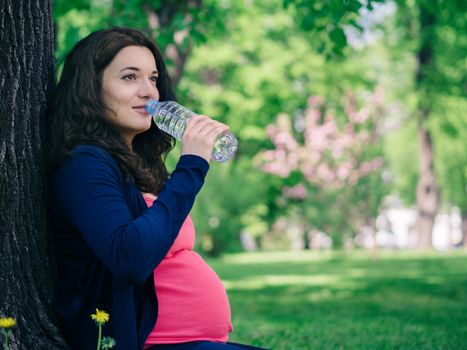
(306, 240)
(427, 189)
(26, 75)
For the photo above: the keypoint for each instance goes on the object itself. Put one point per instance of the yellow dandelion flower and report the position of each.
(100, 316)
(7, 322)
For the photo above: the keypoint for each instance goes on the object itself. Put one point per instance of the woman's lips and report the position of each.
(140, 109)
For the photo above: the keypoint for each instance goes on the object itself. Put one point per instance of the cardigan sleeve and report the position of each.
(88, 189)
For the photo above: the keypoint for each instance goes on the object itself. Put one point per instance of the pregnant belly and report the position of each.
(193, 303)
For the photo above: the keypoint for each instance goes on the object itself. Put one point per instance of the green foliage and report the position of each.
(160, 19)
(248, 80)
(443, 88)
(402, 154)
(342, 212)
(231, 201)
(60, 7)
(450, 133)
(74, 20)
(336, 300)
(326, 20)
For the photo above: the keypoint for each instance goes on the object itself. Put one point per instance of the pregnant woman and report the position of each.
(123, 237)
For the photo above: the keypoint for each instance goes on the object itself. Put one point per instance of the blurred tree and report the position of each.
(232, 201)
(448, 122)
(327, 21)
(340, 162)
(246, 81)
(434, 32)
(428, 196)
(176, 26)
(450, 133)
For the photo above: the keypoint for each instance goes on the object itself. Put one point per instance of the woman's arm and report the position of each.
(88, 190)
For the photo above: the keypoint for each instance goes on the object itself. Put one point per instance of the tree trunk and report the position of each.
(26, 75)
(427, 188)
(306, 240)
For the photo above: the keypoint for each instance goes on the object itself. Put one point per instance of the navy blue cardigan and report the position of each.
(108, 243)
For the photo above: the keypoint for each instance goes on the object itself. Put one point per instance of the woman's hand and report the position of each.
(200, 135)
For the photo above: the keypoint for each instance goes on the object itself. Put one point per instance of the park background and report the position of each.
(341, 223)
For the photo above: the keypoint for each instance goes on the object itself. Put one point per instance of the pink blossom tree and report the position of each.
(331, 163)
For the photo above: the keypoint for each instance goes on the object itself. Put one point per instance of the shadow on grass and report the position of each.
(350, 301)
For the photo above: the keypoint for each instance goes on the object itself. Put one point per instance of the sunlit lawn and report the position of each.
(307, 300)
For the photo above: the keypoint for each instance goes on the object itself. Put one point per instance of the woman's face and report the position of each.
(128, 82)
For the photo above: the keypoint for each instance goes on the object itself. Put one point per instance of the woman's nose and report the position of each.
(147, 89)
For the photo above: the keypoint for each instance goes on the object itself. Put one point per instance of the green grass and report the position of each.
(310, 300)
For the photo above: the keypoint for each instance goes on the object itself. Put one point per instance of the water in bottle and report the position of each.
(172, 118)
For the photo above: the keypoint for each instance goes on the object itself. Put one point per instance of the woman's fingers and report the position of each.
(211, 129)
(200, 135)
(205, 128)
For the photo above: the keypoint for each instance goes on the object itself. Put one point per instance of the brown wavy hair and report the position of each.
(76, 112)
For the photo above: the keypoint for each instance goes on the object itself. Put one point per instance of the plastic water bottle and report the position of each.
(172, 118)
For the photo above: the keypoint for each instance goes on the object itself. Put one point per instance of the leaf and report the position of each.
(449, 129)
(354, 5)
(337, 35)
(61, 7)
(286, 3)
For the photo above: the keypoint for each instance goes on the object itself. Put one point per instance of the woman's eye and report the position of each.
(129, 77)
(154, 79)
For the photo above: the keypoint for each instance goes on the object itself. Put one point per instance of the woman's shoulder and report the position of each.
(90, 150)
(90, 157)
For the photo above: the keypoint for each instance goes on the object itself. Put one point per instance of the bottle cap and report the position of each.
(151, 106)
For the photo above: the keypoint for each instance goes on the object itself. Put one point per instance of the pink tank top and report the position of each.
(193, 303)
